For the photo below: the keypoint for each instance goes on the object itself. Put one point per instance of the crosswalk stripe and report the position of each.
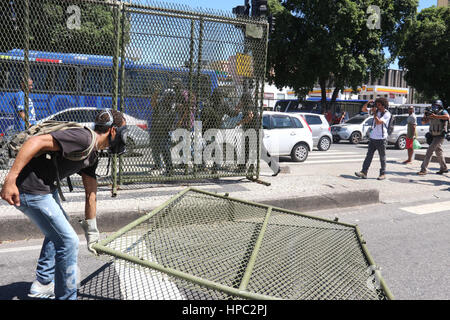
(428, 208)
(339, 160)
(326, 154)
(332, 157)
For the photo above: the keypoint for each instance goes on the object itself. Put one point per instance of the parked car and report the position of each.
(321, 130)
(287, 135)
(398, 136)
(138, 135)
(353, 130)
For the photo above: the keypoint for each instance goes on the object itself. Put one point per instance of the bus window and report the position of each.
(92, 80)
(65, 79)
(12, 73)
(42, 76)
(108, 81)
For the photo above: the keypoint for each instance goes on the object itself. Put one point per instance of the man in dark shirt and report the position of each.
(31, 186)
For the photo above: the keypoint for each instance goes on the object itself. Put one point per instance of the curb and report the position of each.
(19, 227)
(434, 159)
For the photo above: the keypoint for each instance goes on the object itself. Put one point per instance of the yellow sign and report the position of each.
(244, 65)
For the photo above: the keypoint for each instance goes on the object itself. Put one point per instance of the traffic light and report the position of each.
(259, 8)
(242, 10)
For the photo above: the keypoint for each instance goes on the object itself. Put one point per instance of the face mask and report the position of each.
(118, 145)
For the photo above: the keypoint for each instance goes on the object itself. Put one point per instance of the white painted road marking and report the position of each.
(428, 208)
(28, 248)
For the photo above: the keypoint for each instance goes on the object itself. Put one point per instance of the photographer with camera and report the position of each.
(378, 135)
(438, 118)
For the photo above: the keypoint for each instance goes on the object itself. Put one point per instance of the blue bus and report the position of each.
(71, 80)
(314, 105)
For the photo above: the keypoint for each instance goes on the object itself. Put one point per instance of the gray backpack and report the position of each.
(46, 127)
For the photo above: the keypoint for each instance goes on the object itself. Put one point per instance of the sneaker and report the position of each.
(276, 173)
(442, 171)
(421, 173)
(42, 291)
(361, 175)
(381, 177)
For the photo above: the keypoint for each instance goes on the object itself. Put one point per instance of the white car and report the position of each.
(138, 135)
(354, 129)
(287, 135)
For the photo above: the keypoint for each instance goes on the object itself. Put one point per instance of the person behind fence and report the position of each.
(212, 116)
(251, 119)
(411, 134)
(378, 136)
(163, 123)
(438, 119)
(19, 114)
(30, 186)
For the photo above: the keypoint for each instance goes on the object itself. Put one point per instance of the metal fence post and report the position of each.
(121, 78)
(115, 88)
(26, 60)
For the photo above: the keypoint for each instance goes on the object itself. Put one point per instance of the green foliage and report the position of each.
(329, 41)
(49, 31)
(426, 53)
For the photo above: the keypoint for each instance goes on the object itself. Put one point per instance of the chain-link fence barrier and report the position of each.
(200, 245)
(189, 83)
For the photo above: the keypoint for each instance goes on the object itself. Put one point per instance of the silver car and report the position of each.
(321, 130)
(398, 136)
(353, 130)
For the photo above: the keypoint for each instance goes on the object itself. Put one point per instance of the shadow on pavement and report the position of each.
(15, 291)
(346, 176)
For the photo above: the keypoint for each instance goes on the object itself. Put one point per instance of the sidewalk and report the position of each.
(300, 187)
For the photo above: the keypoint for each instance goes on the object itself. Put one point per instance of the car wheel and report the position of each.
(300, 152)
(336, 139)
(355, 138)
(401, 143)
(324, 144)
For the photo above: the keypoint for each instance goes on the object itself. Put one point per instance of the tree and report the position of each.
(49, 29)
(426, 54)
(331, 42)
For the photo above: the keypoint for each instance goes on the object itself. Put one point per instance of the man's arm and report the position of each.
(89, 224)
(90, 189)
(444, 116)
(364, 108)
(30, 148)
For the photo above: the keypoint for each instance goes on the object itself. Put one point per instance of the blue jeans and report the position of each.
(58, 259)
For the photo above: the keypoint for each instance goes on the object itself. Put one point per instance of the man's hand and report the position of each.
(10, 192)
(91, 233)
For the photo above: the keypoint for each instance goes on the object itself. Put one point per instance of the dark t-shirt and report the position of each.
(39, 175)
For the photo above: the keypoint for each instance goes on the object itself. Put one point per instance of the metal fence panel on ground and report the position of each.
(244, 250)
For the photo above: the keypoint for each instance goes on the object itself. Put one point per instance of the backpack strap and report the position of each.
(73, 156)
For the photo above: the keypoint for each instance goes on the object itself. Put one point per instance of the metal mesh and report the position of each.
(248, 250)
(189, 82)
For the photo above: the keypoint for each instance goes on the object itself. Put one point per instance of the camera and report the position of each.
(429, 111)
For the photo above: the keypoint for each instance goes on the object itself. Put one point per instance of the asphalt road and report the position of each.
(410, 242)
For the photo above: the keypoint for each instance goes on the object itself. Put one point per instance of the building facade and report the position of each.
(442, 3)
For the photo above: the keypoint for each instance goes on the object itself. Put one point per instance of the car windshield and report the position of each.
(355, 120)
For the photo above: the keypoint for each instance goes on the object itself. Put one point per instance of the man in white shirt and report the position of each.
(378, 136)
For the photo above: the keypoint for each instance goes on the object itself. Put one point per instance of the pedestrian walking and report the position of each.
(378, 136)
(411, 134)
(19, 115)
(31, 187)
(438, 118)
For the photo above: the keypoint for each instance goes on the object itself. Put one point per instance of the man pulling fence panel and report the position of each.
(31, 186)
